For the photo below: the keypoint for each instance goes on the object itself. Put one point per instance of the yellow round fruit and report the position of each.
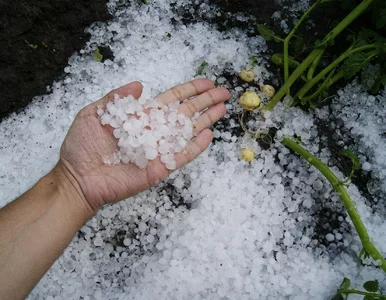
(247, 154)
(247, 75)
(250, 101)
(269, 90)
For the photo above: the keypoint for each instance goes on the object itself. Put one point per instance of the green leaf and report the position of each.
(368, 297)
(338, 296)
(345, 285)
(356, 163)
(371, 286)
(299, 46)
(97, 55)
(363, 254)
(266, 33)
(253, 61)
(380, 82)
(354, 64)
(368, 36)
(277, 39)
(201, 68)
(381, 47)
(278, 59)
(380, 19)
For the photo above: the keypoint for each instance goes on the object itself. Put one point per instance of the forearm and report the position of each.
(35, 229)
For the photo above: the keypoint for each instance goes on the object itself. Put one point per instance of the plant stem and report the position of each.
(304, 90)
(318, 51)
(325, 85)
(290, 35)
(313, 67)
(294, 76)
(346, 21)
(344, 197)
(376, 296)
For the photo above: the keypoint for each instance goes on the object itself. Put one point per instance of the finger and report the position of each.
(185, 90)
(208, 118)
(207, 99)
(134, 88)
(194, 149)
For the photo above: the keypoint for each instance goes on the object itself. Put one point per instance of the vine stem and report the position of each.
(304, 90)
(292, 79)
(318, 51)
(313, 67)
(346, 21)
(331, 79)
(376, 296)
(344, 197)
(289, 37)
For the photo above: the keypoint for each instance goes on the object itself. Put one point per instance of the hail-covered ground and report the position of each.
(219, 228)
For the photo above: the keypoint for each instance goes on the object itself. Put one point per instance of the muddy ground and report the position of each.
(36, 39)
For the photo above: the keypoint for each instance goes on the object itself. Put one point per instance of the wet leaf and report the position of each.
(371, 286)
(97, 55)
(380, 82)
(356, 163)
(299, 45)
(265, 32)
(354, 64)
(278, 59)
(253, 61)
(201, 68)
(380, 18)
(338, 296)
(345, 285)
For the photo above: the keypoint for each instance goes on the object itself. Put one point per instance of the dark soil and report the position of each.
(36, 39)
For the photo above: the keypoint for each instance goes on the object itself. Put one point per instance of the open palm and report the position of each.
(88, 141)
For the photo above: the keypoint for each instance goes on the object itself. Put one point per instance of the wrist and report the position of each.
(68, 189)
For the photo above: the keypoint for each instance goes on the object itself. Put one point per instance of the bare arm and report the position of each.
(38, 226)
(35, 229)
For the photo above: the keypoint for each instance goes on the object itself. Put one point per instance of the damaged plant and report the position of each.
(313, 81)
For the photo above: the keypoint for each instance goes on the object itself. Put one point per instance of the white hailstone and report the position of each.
(307, 203)
(330, 237)
(143, 136)
(150, 238)
(142, 227)
(98, 241)
(338, 236)
(366, 166)
(317, 185)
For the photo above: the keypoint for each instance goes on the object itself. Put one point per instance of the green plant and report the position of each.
(370, 293)
(365, 45)
(356, 164)
(97, 55)
(339, 186)
(201, 68)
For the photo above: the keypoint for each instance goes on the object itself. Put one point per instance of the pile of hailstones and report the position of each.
(146, 129)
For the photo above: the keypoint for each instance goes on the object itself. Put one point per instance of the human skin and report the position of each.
(38, 226)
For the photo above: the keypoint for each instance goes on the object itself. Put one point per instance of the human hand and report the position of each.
(88, 141)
